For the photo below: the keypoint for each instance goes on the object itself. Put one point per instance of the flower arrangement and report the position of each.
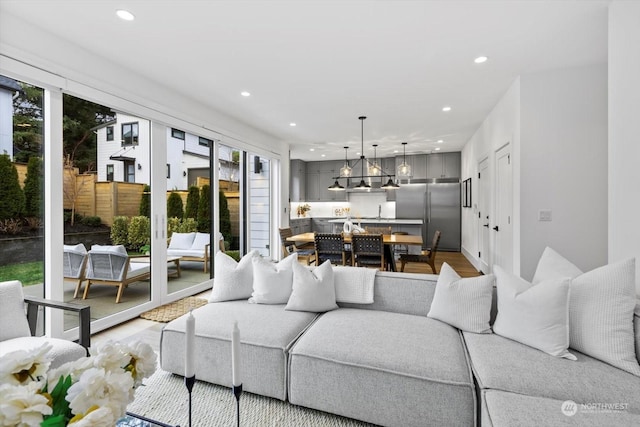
(303, 209)
(91, 391)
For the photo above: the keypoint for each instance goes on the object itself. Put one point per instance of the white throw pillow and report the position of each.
(312, 290)
(463, 303)
(552, 265)
(272, 282)
(181, 240)
(200, 241)
(535, 315)
(232, 280)
(601, 315)
(354, 284)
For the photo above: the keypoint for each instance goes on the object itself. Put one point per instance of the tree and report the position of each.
(193, 199)
(174, 206)
(204, 210)
(33, 188)
(27, 123)
(11, 194)
(225, 216)
(145, 203)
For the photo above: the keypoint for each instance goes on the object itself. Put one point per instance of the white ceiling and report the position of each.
(321, 64)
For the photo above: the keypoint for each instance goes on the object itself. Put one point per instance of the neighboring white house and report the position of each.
(124, 154)
(8, 88)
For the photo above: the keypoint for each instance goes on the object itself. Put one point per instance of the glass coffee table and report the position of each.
(133, 420)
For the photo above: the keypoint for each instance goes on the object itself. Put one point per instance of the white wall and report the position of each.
(564, 165)
(6, 122)
(624, 133)
(500, 127)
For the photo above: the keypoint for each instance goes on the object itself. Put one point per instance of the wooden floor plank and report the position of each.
(456, 260)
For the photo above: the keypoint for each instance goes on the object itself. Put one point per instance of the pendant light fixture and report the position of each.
(363, 185)
(346, 170)
(404, 169)
(374, 168)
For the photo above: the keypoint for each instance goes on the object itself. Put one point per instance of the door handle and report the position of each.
(496, 228)
(486, 225)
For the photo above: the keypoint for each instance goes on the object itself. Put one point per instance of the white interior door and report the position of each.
(503, 224)
(484, 224)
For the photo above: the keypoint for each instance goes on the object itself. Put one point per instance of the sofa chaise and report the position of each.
(387, 363)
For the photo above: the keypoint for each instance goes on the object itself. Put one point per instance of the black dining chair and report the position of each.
(368, 250)
(330, 246)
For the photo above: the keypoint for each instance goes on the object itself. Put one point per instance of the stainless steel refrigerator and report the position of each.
(438, 203)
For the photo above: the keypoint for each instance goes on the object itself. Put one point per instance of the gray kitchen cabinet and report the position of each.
(443, 165)
(318, 179)
(321, 225)
(300, 225)
(297, 181)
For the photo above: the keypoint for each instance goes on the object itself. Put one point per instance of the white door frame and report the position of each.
(503, 209)
(484, 216)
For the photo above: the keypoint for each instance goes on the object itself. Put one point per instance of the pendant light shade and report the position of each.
(363, 185)
(374, 168)
(390, 185)
(404, 169)
(336, 187)
(345, 171)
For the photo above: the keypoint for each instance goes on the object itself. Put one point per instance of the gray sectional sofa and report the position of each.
(387, 363)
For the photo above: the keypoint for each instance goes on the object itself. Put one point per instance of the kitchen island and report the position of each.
(411, 226)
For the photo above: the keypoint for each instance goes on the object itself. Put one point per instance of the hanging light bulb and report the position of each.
(345, 171)
(374, 168)
(404, 169)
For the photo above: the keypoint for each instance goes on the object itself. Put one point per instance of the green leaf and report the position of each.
(54, 421)
(58, 394)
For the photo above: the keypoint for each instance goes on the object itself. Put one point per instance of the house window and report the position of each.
(109, 172)
(178, 134)
(168, 171)
(129, 134)
(109, 133)
(205, 142)
(130, 171)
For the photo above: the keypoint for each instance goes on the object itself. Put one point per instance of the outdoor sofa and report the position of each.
(387, 363)
(191, 247)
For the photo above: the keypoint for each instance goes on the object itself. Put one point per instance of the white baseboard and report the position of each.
(473, 260)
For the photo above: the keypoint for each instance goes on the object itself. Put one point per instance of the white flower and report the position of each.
(22, 366)
(101, 417)
(74, 368)
(22, 405)
(111, 356)
(142, 361)
(101, 388)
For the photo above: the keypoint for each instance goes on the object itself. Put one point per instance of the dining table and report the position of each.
(388, 240)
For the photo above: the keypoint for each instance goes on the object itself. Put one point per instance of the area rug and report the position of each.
(168, 312)
(164, 398)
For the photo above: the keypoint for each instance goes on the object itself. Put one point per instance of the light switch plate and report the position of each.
(544, 215)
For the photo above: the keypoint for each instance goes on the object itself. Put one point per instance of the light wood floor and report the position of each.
(456, 260)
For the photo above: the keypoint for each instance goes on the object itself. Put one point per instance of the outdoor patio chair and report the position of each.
(110, 265)
(74, 264)
(18, 329)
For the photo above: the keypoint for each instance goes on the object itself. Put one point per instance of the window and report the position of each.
(109, 133)
(129, 134)
(168, 171)
(205, 142)
(129, 171)
(178, 134)
(109, 172)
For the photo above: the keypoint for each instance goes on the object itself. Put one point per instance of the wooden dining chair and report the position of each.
(330, 246)
(368, 250)
(305, 254)
(429, 257)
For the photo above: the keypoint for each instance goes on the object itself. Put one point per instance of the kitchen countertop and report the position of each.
(379, 221)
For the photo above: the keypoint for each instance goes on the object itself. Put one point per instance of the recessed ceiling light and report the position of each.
(323, 155)
(245, 93)
(312, 149)
(292, 124)
(396, 151)
(125, 15)
(480, 59)
(437, 148)
(446, 109)
(439, 141)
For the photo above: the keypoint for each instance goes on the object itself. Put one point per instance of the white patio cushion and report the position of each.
(118, 249)
(199, 253)
(200, 241)
(181, 240)
(12, 315)
(77, 249)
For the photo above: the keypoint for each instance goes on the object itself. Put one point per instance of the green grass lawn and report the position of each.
(29, 273)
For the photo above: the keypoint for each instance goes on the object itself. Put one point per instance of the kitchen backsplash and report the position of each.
(363, 205)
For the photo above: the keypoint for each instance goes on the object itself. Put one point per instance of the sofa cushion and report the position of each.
(114, 249)
(181, 240)
(195, 253)
(12, 315)
(535, 315)
(313, 290)
(509, 409)
(272, 282)
(266, 331)
(463, 303)
(200, 241)
(232, 280)
(384, 368)
(502, 364)
(62, 351)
